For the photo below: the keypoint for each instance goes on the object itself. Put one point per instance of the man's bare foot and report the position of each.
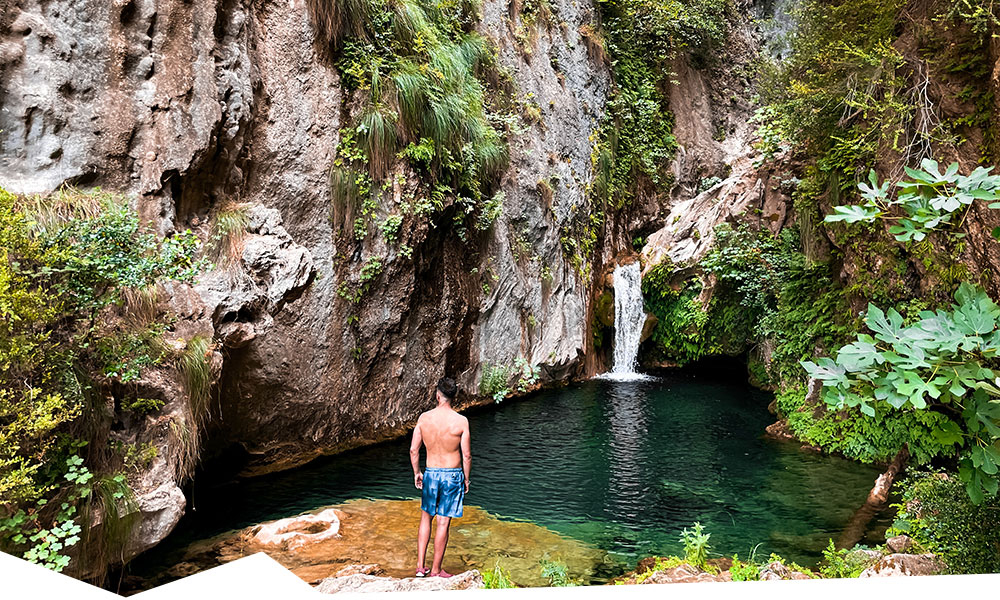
(441, 573)
(422, 571)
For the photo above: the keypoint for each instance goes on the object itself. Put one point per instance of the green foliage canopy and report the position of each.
(946, 360)
(63, 260)
(937, 513)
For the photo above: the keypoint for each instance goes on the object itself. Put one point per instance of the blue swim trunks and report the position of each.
(444, 490)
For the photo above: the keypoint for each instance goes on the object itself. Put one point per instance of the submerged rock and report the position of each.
(295, 532)
(361, 582)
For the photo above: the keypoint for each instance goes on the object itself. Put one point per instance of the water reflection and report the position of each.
(625, 407)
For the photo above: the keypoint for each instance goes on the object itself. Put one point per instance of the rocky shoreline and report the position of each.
(365, 546)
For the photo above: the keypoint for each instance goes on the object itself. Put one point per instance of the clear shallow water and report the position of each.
(623, 466)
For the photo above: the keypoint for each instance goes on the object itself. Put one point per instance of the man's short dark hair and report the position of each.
(447, 386)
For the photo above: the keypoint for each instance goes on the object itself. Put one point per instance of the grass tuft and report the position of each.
(139, 304)
(229, 229)
(335, 19)
(195, 367)
(378, 137)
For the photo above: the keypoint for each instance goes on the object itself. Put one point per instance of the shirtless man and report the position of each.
(444, 483)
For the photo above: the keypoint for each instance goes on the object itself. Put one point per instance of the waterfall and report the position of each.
(778, 28)
(629, 319)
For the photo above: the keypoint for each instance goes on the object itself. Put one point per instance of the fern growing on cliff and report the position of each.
(422, 77)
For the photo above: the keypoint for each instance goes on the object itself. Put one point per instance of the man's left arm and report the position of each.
(466, 453)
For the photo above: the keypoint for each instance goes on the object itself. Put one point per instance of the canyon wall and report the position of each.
(192, 107)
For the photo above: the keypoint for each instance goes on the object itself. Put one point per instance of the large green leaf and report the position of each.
(859, 355)
(853, 214)
(887, 326)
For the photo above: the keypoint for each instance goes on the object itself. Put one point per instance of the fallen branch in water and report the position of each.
(876, 501)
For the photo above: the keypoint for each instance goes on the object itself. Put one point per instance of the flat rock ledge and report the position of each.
(368, 578)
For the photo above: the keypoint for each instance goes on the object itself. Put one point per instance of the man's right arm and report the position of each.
(466, 453)
(418, 477)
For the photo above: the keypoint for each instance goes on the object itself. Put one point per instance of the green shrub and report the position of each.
(494, 382)
(844, 563)
(861, 437)
(937, 513)
(744, 571)
(840, 95)
(142, 406)
(63, 260)
(556, 572)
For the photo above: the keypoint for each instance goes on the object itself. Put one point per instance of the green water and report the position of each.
(621, 466)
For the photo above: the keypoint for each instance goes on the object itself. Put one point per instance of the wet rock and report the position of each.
(899, 544)
(360, 582)
(776, 570)
(780, 431)
(897, 565)
(685, 574)
(648, 326)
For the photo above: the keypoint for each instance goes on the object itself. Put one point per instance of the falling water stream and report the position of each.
(629, 319)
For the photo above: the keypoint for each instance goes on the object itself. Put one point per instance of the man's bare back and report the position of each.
(442, 431)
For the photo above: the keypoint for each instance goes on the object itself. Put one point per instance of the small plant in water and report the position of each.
(556, 572)
(696, 545)
(497, 578)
